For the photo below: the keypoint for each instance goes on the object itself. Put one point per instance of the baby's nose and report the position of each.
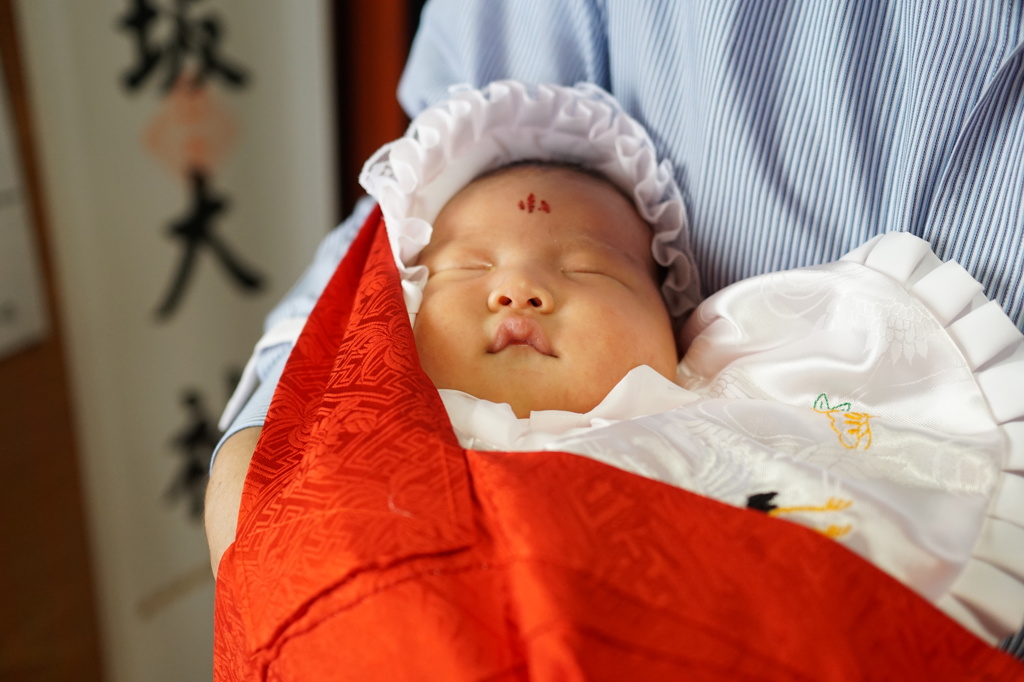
(520, 293)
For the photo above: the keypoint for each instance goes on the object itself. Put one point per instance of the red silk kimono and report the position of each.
(371, 546)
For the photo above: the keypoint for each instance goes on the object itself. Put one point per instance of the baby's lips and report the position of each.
(520, 331)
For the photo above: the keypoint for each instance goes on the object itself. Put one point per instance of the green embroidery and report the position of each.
(821, 405)
(853, 428)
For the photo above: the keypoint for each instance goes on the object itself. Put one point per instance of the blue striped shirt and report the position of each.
(798, 130)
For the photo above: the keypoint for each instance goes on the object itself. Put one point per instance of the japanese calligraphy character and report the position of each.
(195, 443)
(195, 37)
(195, 230)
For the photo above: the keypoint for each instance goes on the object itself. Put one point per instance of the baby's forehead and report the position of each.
(578, 211)
(533, 187)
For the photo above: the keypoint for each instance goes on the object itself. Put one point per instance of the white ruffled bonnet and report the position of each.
(474, 131)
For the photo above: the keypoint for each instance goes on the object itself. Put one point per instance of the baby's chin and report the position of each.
(535, 391)
(525, 400)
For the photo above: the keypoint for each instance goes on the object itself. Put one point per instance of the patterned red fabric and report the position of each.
(372, 547)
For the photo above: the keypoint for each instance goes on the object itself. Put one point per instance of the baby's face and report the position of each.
(542, 292)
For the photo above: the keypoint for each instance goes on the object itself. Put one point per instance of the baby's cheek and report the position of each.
(438, 347)
(425, 335)
(635, 335)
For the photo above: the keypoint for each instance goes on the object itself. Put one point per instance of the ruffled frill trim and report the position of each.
(474, 131)
(988, 596)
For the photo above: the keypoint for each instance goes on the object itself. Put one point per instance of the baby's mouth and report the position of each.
(520, 331)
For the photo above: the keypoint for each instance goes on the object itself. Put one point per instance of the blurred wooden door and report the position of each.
(371, 42)
(48, 627)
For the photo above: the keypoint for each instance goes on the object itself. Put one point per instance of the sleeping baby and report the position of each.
(542, 309)
(544, 257)
(545, 260)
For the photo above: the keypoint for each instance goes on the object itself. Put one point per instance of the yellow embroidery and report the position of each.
(763, 502)
(836, 532)
(833, 504)
(853, 428)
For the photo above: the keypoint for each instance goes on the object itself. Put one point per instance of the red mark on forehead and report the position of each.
(531, 205)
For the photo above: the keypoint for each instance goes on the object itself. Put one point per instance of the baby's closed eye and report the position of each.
(464, 268)
(594, 276)
(585, 270)
(594, 266)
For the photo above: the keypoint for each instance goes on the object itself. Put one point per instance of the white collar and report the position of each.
(484, 425)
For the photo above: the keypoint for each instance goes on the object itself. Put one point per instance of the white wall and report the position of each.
(110, 202)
